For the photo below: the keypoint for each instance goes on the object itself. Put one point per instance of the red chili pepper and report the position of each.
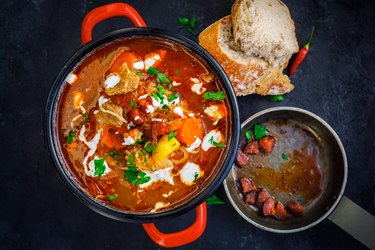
(301, 55)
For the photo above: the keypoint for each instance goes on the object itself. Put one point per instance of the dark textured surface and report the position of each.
(37, 210)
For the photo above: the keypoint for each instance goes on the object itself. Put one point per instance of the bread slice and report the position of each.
(264, 28)
(248, 74)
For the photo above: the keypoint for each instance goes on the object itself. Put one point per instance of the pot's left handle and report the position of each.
(107, 11)
(183, 237)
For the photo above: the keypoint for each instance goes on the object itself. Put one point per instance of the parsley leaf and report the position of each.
(165, 106)
(214, 200)
(196, 175)
(130, 159)
(259, 132)
(219, 96)
(131, 175)
(172, 97)
(172, 135)
(113, 154)
(284, 156)
(275, 98)
(134, 105)
(138, 72)
(150, 147)
(152, 71)
(190, 25)
(217, 144)
(71, 137)
(99, 167)
(248, 135)
(161, 89)
(162, 78)
(183, 21)
(193, 23)
(177, 72)
(111, 197)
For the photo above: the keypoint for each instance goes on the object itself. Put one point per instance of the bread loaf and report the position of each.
(248, 74)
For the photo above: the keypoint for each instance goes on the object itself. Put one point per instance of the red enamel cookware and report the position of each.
(198, 201)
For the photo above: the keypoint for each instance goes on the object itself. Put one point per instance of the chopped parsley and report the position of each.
(259, 132)
(71, 137)
(131, 175)
(165, 106)
(111, 197)
(161, 90)
(113, 154)
(130, 159)
(217, 144)
(190, 25)
(172, 135)
(196, 175)
(214, 200)
(99, 167)
(140, 141)
(160, 77)
(248, 135)
(150, 147)
(172, 97)
(284, 156)
(218, 96)
(177, 72)
(134, 105)
(138, 72)
(275, 98)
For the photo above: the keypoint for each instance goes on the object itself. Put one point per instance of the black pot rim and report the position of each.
(50, 129)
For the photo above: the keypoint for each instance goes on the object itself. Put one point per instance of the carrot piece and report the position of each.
(111, 139)
(154, 58)
(190, 129)
(126, 57)
(78, 98)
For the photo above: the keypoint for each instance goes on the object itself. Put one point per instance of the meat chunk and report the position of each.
(121, 83)
(242, 159)
(263, 195)
(136, 116)
(252, 148)
(110, 114)
(158, 129)
(250, 197)
(280, 212)
(247, 185)
(269, 207)
(267, 143)
(294, 208)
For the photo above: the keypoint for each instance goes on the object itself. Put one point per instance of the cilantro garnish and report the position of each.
(165, 106)
(177, 72)
(217, 144)
(196, 175)
(172, 97)
(99, 167)
(190, 25)
(259, 132)
(218, 96)
(134, 105)
(284, 156)
(172, 135)
(130, 159)
(71, 137)
(160, 77)
(150, 147)
(214, 200)
(113, 154)
(248, 135)
(138, 72)
(161, 90)
(275, 98)
(111, 197)
(131, 175)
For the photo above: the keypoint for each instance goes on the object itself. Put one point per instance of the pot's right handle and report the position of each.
(355, 221)
(107, 11)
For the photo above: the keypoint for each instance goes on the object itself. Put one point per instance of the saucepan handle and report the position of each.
(355, 221)
(107, 11)
(183, 237)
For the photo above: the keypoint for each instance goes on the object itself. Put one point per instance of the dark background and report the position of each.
(37, 211)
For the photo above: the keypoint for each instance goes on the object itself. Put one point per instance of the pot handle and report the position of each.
(107, 11)
(182, 237)
(355, 221)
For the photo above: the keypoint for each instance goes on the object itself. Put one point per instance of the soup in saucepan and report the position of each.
(143, 124)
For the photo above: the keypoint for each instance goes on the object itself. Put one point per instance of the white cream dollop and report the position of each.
(112, 81)
(216, 136)
(190, 172)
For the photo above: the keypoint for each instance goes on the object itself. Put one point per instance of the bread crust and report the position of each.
(252, 76)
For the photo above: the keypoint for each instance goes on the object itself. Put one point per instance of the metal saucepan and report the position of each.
(198, 201)
(333, 165)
